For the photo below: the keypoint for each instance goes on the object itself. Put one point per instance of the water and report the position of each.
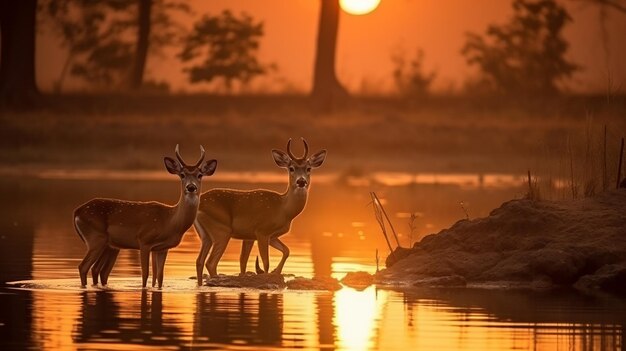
(337, 233)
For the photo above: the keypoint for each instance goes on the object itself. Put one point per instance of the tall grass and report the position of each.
(534, 193)
(588, 164)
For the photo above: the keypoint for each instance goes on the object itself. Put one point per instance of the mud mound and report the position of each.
(248, 280)
(358, 280)
(300, 283)
(524, 241)
(273, 282)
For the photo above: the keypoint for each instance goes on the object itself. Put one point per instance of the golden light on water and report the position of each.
(359, 7)
(59, 315)
(355, 318)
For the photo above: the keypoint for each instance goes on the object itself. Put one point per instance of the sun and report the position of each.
(359, 7)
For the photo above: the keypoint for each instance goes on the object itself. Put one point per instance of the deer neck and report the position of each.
(294, 201)
(184, 212)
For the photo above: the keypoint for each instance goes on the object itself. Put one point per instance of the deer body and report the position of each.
(260, 215)
(108, 225)
(246, 211)
(115, 218)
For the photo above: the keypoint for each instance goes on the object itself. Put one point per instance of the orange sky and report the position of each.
(367, 42)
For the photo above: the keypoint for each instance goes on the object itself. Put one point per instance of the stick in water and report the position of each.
(619, 165)
(387, 217)
(379, 218)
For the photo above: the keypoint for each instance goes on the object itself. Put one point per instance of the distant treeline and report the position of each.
(108, 43)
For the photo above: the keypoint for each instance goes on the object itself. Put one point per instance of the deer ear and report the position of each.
(317, 159)
(281, 158)
(208, 167)
(172, 165)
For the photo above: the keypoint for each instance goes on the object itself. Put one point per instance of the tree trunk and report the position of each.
(17, 61)
(143, 42)
(58, 85)
(326, 86)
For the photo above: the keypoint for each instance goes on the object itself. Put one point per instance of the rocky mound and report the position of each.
(248, 280)
(273, 282)
(358, 280)
(579, 243)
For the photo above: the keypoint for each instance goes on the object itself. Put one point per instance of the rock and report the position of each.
(272, 281)
(248, 280)
(317, 283)
(611, 278)
(395, 256)
(524, 243)
(447, 281)
(358, 280)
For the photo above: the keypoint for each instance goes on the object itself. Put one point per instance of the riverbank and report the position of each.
(441, 134)
(525, 243)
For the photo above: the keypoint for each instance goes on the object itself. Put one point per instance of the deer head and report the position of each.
(190, 175)
(299, 167)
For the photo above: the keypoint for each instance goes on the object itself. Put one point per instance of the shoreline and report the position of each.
(540, 244)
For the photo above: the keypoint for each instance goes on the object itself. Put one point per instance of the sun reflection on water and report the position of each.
(356, 316)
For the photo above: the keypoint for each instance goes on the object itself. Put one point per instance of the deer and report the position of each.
(108, 225)
(261, 215)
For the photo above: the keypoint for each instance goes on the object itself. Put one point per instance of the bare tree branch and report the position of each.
(619, 5)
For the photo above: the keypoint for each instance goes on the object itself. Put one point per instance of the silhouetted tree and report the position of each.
(97, 36)
(410, 78)
(108, 41)
(604, 5)
(619, 5)
(223, 47)
(17, 60)
(143, 41)
(527, 55)
(156, 29)
(79, 34)
(326, 86)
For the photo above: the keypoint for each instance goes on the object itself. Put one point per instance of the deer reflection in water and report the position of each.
(102, 320)
(244, 318)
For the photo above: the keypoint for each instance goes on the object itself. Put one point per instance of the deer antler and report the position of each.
(182, 162)
(293, 157)
(306, 149)
(179, 157)
(201, 157)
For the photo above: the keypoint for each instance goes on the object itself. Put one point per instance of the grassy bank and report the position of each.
(448, 134)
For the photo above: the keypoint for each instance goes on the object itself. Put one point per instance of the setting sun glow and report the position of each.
(359, 7)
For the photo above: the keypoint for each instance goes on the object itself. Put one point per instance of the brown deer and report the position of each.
(108, 225)
(260, 215)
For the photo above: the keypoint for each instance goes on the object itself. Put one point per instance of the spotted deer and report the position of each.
(108, 225)
(261, 215)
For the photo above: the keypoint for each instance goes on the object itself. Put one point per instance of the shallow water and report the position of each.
(337, 233)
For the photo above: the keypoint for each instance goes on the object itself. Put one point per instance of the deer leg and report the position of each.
(93, 253)
(144, 252)
(263, 242)
(108, 266)
(204, 250)
(105, 262)
(216, 253)
(96, 244)
(202, 259)
(246, 247)
(155, 258)
(161, 256)
(280, 246)
(97, 267)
